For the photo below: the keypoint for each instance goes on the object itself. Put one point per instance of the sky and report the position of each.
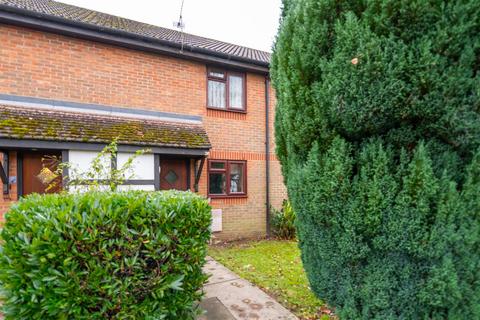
(250, 23)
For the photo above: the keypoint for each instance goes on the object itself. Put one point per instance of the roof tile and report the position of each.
(99, 19)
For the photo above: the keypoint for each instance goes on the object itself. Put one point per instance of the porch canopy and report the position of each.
(36, 128)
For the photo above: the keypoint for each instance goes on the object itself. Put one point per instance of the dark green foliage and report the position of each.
(128, 255)
(378, 133)
(283, 221)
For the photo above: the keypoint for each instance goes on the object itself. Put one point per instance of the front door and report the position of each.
(38, 172)
(173, 174)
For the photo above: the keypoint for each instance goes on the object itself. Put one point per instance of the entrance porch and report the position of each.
(34, 140)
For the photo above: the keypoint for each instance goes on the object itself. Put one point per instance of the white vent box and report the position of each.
(216, 220)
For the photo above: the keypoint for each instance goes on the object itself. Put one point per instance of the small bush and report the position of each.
(128, 255)
(283, 221)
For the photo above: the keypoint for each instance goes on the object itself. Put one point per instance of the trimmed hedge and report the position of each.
(378, 133)
(126, 255)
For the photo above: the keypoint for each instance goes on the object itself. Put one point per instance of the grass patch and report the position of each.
(276, 267)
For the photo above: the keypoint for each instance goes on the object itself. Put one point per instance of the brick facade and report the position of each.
(46, 65)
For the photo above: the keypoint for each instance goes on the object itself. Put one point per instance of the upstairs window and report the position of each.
(226, 178)
(226, 90)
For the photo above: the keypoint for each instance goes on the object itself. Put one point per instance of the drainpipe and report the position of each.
(267, 153)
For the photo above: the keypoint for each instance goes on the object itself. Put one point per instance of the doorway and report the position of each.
(174, 174)
(39, 172)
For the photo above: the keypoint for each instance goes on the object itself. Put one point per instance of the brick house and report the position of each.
(72, 79)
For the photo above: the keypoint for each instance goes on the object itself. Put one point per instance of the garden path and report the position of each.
(229, 297)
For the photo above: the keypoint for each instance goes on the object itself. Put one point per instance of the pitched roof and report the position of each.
(51, 125)
(110, 22)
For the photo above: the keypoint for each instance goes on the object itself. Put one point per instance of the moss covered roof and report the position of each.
(51, 125)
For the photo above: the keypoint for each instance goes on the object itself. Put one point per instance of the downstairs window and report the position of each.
(227, 178)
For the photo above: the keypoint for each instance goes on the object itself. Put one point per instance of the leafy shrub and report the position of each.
(283, 221)
(127, 255)
(378, 132)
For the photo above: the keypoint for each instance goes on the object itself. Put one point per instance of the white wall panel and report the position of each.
(81, 162)
(147, 187)
(142, 166)
(83, 188)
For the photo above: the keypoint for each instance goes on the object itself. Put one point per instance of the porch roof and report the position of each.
(28, 123)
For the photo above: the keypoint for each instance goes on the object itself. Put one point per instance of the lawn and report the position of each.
(274, 266)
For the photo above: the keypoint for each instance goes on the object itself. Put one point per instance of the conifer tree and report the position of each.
(378, 133)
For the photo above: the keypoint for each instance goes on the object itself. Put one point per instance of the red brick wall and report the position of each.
(45, 65)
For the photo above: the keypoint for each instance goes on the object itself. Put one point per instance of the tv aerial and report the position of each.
(180, 25)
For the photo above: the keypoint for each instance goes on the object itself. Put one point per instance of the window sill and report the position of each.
(228, 110)
(221, 196)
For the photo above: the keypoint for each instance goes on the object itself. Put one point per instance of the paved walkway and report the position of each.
(229, 297)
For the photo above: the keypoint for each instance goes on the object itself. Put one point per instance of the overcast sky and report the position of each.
(251, 23)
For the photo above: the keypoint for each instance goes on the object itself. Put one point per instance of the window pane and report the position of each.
(236, 178)
(217, 74)
(236, 92)
(217, 165)
(216, 94)
(217, 183)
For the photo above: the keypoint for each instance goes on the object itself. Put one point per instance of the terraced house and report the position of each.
(72, 80)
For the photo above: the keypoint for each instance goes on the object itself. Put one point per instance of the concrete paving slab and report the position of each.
(217, 272)
(214, 310)
(242, 299)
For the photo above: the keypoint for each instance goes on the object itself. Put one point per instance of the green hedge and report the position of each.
(378, 133)
(127, 255)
